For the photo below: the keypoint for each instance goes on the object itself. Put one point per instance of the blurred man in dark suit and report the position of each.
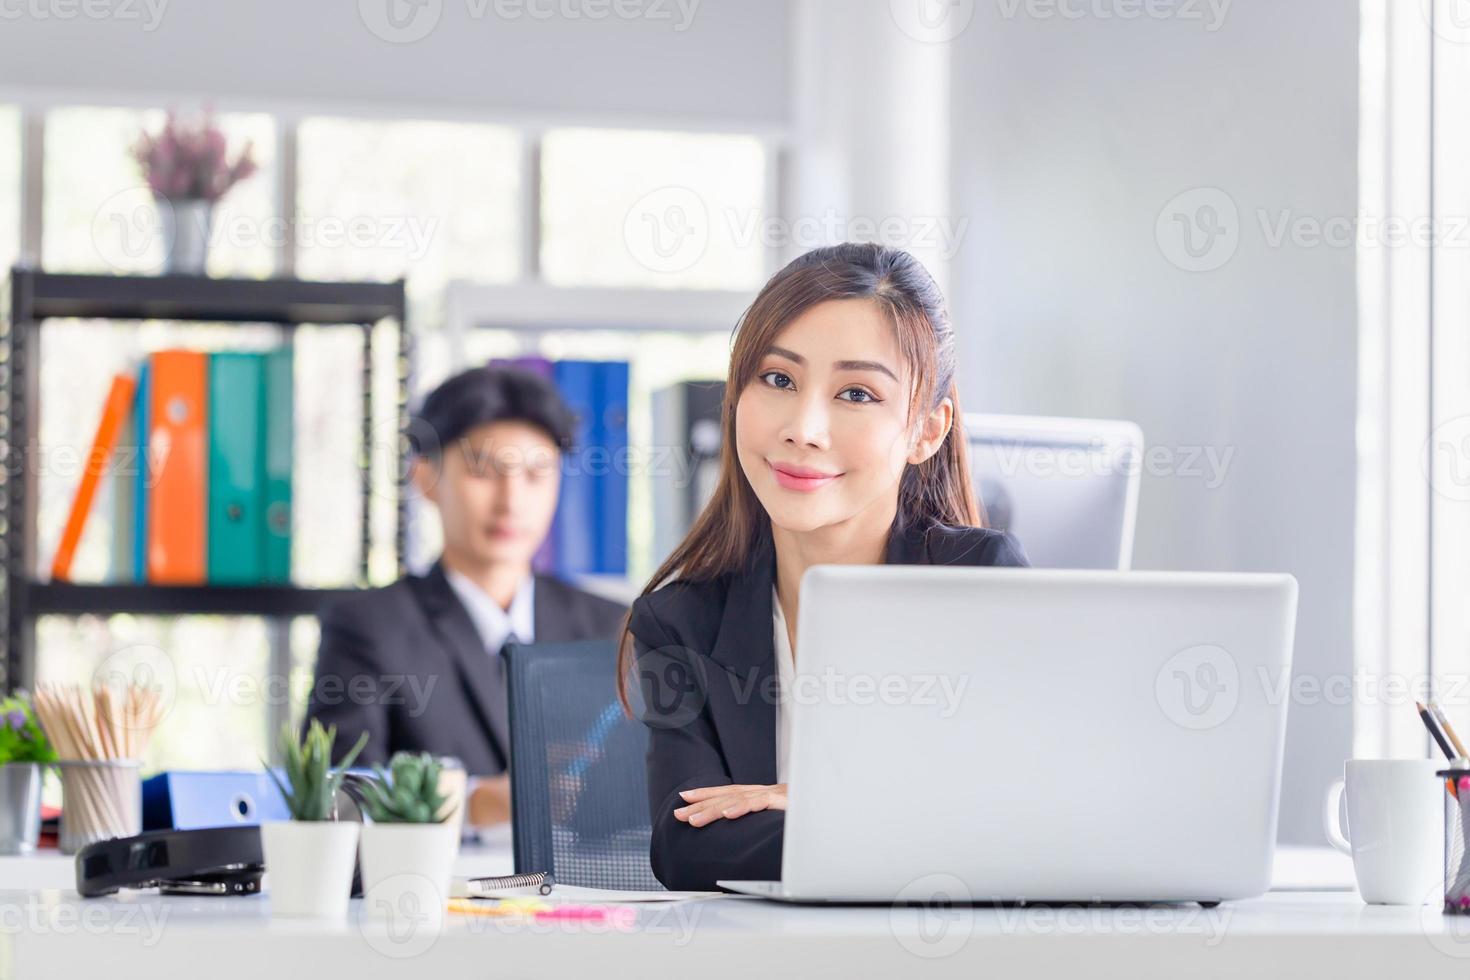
(419, 664)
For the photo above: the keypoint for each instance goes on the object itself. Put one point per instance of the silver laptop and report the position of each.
(999, 735)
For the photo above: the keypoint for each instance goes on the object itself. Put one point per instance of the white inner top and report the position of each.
(786, 681)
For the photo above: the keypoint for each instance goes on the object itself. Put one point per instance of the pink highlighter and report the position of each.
(617, 915)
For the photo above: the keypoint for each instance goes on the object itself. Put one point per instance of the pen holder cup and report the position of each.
(99, 800)
(1456, 836)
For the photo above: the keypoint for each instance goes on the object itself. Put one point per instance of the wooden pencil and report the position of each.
(1449, 730)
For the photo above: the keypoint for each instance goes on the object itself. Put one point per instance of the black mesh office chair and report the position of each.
(578, 786)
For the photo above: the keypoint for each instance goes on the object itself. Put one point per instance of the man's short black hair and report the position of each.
(494, 393)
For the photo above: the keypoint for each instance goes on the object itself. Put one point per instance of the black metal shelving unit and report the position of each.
(35, 298)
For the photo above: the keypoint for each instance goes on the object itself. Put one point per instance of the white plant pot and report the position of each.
(407, 868)
(308, 867)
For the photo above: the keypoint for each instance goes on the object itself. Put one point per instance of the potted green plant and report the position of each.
(24, 748)
(309, 858)
(408, 842)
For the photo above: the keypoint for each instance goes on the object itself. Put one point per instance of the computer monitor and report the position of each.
(1067, 488)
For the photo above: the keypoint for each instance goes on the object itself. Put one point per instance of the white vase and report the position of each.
(407, 868)
(186, 226)
(20, 807)
(308, 867)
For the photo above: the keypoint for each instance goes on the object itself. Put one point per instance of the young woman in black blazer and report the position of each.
(844, 444)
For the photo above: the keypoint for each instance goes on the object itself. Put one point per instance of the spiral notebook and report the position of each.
(500, 887)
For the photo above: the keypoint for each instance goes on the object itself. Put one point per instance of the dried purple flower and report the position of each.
(184, 162)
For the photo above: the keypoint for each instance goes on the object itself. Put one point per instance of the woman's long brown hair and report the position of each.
(937, 490)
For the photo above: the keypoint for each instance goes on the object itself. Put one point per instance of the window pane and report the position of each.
(431, 201)
(666, 210)
(9, 187)
(101, 217)
(210, 671)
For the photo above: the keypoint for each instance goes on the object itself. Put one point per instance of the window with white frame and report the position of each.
(1413, 566)
(435, 202)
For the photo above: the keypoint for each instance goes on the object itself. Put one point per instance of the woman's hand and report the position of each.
(710, 803)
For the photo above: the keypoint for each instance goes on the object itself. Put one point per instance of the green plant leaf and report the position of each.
(311, 783)
(407, 791)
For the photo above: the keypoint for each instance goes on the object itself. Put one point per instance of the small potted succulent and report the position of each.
(408, 842)
(24, 748)
(309, 858)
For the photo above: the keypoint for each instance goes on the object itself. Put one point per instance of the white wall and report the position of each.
(721, 61)
(1070, 136)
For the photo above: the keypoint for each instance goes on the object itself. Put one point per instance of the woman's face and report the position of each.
(822, 431)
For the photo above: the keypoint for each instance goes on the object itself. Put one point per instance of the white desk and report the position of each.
(50, 932)
(54, 870)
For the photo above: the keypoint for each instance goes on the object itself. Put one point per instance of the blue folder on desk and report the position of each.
(186, 800)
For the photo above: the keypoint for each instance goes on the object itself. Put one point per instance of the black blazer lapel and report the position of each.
(481, 673)
(746, 649)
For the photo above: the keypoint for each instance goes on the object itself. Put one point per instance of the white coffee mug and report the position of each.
(1395, 828)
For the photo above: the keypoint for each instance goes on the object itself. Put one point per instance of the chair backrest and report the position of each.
(1067, 488)
(578, 782)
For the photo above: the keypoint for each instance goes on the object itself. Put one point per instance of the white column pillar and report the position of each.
(870, 134)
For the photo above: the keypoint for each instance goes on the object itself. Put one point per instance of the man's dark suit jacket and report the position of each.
(405, 664)
(705, 651)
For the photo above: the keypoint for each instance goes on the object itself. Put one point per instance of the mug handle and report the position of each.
(1331, 820)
